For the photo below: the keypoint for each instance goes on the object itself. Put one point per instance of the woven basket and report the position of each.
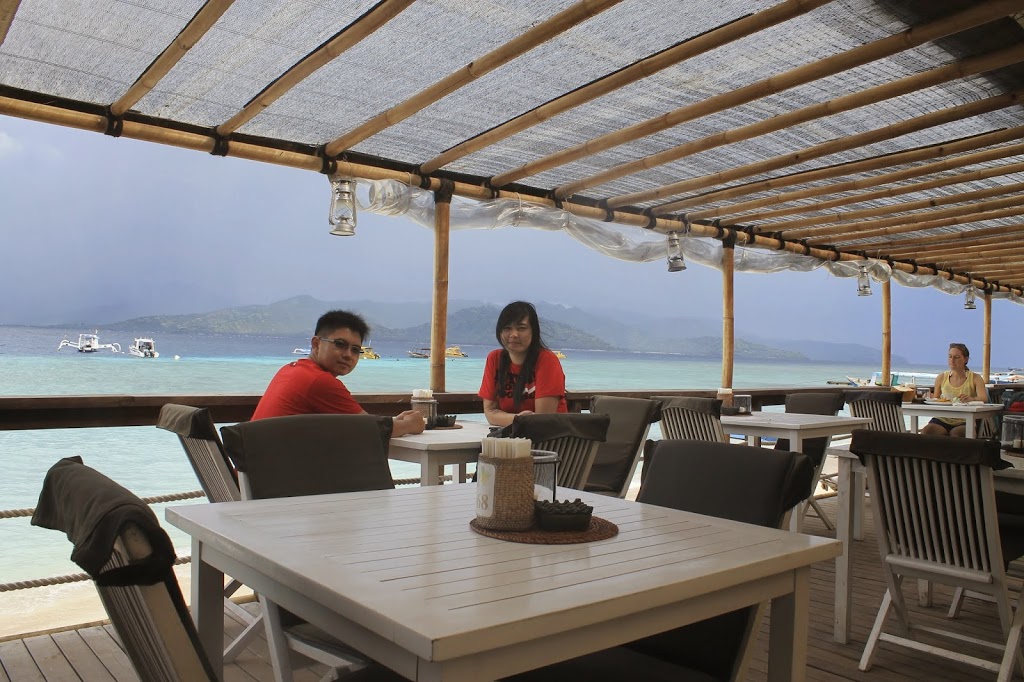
(504, 493)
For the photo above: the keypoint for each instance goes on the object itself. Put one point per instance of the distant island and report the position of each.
(472, 323)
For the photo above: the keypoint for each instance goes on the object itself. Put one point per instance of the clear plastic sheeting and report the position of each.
(624, 242)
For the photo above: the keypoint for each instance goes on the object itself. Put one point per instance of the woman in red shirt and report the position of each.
(523, 376)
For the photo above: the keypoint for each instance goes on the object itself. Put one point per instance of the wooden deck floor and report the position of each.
(93, 654)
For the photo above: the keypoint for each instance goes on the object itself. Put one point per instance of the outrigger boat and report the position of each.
(89, 343)
(367, 353)
(143, 348)
(449, 352)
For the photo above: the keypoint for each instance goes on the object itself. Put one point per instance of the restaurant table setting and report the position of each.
(516, 498)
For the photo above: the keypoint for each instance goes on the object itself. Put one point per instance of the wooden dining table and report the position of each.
(400, 575)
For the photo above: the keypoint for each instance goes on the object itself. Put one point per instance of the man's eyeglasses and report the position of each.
(343, 345)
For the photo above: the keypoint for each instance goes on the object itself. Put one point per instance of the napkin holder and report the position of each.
(504, 493)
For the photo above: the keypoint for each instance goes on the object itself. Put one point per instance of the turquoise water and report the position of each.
(150, 461)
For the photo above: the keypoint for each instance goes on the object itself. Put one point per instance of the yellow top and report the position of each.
(964, 392)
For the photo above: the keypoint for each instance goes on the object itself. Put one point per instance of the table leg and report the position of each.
(428, 470)
(787, 639)
(970, 426)
(913, 423)
(462, 473)
(844, 533)
(208, 607)
(796, 522)
(860, 486)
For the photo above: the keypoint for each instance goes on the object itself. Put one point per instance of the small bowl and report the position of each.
(441, 420)
(563, 516)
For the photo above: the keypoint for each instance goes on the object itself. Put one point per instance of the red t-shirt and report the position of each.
(548, 382)
(304, 387)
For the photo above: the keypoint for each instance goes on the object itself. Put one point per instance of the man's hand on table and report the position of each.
(408, 422)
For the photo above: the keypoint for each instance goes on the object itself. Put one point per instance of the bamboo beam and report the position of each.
(986, 345)
(885, 193)
(952, 257)
(203, 21)
(648, 66)
(8, 8)
(439, 309)
(880, 93)
(952, 262)
(1015, 240)
(253, 151)
(980, 14)
(539, 34)
(873, 163)
(351, 35)
(866, 228)
(919, 227)
(787, 226)
(967, 237)
(728, 311)
(842, 144)
(886, 332)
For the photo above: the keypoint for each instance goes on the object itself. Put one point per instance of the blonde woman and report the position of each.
(959, 384)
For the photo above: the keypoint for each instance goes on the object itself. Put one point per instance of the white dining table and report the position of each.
(966, 411)
(792, 425)
(399, 575)
(436, 448)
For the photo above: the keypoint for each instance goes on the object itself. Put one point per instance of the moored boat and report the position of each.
(143, 348)
(449, 352)
(559, 354)
(367, 353)
(89, 343)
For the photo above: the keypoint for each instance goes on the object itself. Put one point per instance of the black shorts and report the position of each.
(949, 427)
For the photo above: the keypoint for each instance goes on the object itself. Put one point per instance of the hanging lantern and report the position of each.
(343, 207)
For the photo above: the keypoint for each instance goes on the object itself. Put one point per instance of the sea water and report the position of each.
(150, 461)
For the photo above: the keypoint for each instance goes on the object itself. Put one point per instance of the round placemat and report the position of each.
(599, 529)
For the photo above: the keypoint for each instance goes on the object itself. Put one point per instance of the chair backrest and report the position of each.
(736, 482)
(617, 457)
(934, 502)
(826, 403)
(691, 419)
(884, 409)
(120, 543)
(198, 435)
(575, 437)
(310, 454)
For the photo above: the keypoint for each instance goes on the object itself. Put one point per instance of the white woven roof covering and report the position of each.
(85, 55)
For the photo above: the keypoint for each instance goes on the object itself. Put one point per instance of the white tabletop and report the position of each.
(792, 421)
(950, 408)
(400, 575)
(469, 435)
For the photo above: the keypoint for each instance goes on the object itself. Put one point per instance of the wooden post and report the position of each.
(986, 346)
(886, 332)
(439, 315)
(728, 319)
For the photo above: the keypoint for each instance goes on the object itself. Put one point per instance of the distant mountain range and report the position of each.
(472, 322)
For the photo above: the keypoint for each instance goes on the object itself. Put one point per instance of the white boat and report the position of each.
(89, 343)
(143, 348)
(923, 379)
(301, 351)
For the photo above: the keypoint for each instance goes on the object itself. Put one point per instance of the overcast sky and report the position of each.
(94, 226)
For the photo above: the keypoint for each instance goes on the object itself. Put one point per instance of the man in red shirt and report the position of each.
(311, 385)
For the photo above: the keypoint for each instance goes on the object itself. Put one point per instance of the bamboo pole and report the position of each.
(537, 35)
(873, 163)
(967, 237)
(977, 15)
(880, 93)
(950, 262)
(8, 8)
(203, 21)
(254, 151)
(785, 226)
(986, 345)
(842, 144)
(728, 314)
(920, 224)
(886, 332)
(885, 193)
(439, 309)
(648, 66)
(351, 35)
(1010, 244)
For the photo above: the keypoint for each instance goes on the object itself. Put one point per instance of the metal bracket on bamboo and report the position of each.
(115, 124)
(609, 214)
(328, 163)
(729, 238)
(443, 194)
(220, 144)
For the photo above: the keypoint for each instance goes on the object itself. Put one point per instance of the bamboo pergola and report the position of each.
(842, 130)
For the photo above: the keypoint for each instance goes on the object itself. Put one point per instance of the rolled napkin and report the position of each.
(422, 394)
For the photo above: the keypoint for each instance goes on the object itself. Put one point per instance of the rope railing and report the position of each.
(172, 497)
(64, 579)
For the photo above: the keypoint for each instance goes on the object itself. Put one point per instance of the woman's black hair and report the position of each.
(511, 314)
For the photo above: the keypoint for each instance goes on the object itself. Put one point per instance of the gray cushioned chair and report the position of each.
(575, 437)
(737, 482)
(313, 454)
(120, 543)
(617, 456)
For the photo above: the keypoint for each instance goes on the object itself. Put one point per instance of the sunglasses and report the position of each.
(343, 345)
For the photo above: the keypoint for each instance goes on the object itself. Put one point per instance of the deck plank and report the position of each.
(82, 658)
(97, 648)
(50, 659)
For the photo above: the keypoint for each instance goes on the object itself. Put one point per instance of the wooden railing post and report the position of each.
(439, 313)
